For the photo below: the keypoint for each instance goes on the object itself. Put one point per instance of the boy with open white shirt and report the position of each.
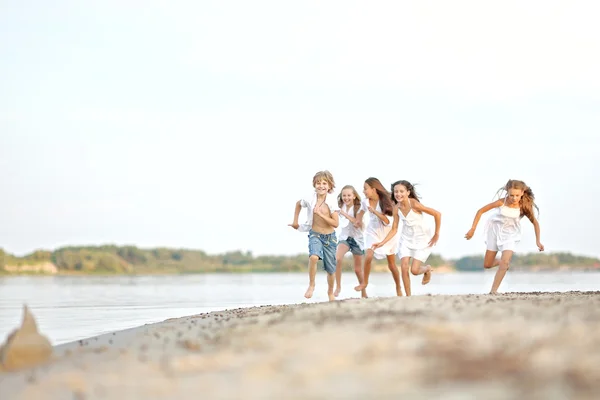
(322, 219)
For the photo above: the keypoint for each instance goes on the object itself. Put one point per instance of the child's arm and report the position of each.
(437, 216)
(480, 212)
(392, 231)
(332, 218)
(359, 218)
(536, 228)
(382, 217)
(296, 215)
(348, 217)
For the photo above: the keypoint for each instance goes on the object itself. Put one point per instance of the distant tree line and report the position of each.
(133, 260)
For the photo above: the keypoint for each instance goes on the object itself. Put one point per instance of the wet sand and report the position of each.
(509, 346)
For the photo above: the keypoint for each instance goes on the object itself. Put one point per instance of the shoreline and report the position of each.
(512, 345)
(443, 270)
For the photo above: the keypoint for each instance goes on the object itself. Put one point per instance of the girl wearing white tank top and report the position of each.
(380, 208)
(503, 228)
(416, 240)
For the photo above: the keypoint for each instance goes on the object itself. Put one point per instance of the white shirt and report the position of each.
(348, 229)
(310, 202)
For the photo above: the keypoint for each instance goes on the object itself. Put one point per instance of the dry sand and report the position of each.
(509, 346)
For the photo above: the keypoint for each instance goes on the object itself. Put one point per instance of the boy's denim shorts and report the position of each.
(324, 246)
(353, 246)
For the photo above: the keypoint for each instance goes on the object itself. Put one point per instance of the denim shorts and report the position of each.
(324, 246)
(353, 246)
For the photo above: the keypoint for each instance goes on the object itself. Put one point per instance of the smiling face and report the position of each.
(348, 197)
(401, 193)
(322, 187)
(514, 197)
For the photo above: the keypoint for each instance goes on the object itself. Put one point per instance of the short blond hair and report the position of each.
(326, 176)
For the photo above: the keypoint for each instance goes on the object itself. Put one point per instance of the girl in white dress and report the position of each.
(503, 228)
(416, 240)
(351, 238)
(378, 204)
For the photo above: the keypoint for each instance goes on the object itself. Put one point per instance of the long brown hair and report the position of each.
(527, 202)
(409, 186)
(385, 202)
(356, 198)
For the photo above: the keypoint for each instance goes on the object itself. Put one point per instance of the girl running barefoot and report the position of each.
(379, 205)
(416, 241)
(351, 236)
(503, 228)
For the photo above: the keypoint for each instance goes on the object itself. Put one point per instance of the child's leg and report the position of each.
(391, 259)
(417, 268)
(503, 266)
(489, 260)
(329, 264)
(366, 271)
(330, 282)
(315, 252)
(405, 276)
(312, 272)
(358, 270)
(342, 249)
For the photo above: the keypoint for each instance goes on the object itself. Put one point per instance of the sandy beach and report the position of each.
(509, 346)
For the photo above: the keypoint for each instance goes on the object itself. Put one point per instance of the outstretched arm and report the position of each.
(296, 215)
(480, 212)
(437, 216)
(392, 231)
(536, 228)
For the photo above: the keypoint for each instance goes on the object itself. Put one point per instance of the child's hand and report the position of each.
(358, 224)
(376, 245)
(540, 246)
(371, 210)
(434, 240)
(294, 225)
(317, 211)
(469, 234)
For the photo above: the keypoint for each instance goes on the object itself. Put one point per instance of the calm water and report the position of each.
(71, 308)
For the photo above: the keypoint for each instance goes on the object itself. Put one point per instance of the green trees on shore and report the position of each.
(110, 259)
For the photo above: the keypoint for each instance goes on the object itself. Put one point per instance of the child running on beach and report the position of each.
(351, 235)
(416, 241)
(503, 228)
(322, 219)
(379, 205)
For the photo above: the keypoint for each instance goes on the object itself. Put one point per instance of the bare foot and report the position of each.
(337, 291)
(399, 291)
(363, 294)
(361, 287)
(427, 276)
(331, 296)
(309, 291)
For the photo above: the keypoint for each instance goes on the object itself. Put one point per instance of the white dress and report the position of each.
(376, 231)
(414, 237)
(503, 229)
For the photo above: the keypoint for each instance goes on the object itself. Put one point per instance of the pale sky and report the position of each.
(199, 124)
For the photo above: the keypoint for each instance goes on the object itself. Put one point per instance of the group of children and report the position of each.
(381, 238)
